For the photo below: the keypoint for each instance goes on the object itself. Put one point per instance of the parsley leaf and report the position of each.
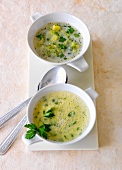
(50, 110)
(31, 126)
(30, 134)
(42, 131)
(33, 130)
(49, 114)
(47, 127)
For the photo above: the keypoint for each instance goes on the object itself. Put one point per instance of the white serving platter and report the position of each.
(85, 79)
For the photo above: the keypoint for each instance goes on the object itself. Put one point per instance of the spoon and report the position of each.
(53, 76)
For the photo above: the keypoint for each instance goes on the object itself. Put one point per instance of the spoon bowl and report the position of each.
(54, 76)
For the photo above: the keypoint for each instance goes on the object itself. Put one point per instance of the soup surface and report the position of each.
(67, 115)
(57, 42)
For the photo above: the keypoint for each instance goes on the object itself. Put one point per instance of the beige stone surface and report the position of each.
(103, 19)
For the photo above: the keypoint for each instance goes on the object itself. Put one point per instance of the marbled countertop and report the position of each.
(103, 19)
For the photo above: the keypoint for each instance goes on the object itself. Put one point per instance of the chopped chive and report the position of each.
(40, 36)
(65, 136)
(61, 55)
(76, 35)
(62, 39)
(62, 46)
(71, 113)
(53, 100)
(72, 135)
(56, 102)
(74, 123)
(70, 30)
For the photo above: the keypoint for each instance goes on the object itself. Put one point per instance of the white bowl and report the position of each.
(67, 87)
(40, 21)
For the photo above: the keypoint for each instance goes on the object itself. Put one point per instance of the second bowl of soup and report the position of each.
(59, 38)
(61, 114)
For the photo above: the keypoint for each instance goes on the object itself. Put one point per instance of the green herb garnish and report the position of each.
(70, 30)
(62, 39)
(61, 55)
(40, 36)
(31, 126)
(53, 100)
(30, 134)
(76, 35)
(62, 46)
(49, 113)
(56, 102)
(72, 135)
(70, 114)
(42, 132)
(34, 130)
(65, 136)
(50, 110)
(74, 123)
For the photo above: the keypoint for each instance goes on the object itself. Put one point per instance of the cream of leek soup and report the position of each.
(65, 114)
(57, 42)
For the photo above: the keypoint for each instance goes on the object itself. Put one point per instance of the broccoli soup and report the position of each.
(57, 42)
(64, 115)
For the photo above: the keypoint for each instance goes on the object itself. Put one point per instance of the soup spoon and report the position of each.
(53, 76)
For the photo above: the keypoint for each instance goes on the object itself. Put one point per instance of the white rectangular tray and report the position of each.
(37, 69)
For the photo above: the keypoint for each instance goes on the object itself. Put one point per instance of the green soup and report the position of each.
(67, 115)
(57, 42)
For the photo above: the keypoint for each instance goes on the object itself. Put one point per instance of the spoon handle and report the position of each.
(4, 119)
(5, 145)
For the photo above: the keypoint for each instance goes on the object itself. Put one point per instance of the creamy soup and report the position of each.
(67, 115)
(58, 42)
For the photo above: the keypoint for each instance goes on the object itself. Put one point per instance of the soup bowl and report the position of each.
(86, 96)
(78, 62)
